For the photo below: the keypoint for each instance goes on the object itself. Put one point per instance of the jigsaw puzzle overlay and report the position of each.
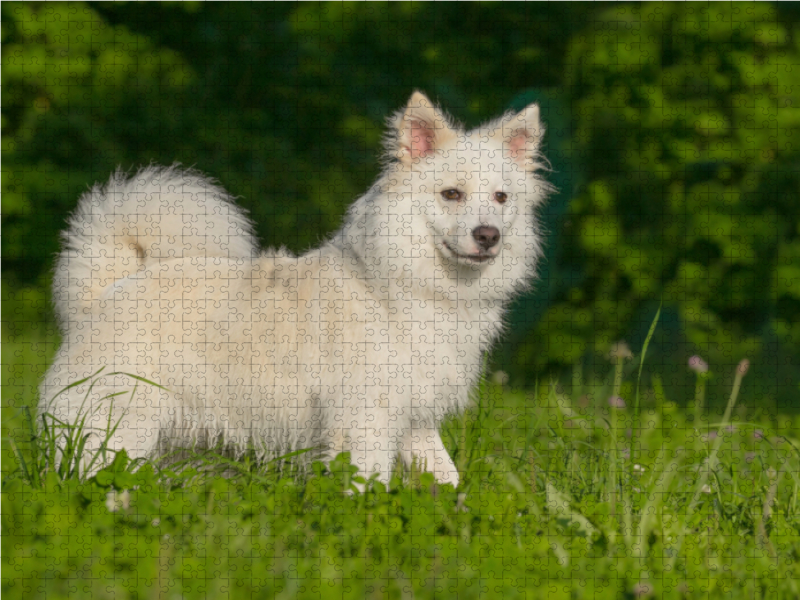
(277, 325)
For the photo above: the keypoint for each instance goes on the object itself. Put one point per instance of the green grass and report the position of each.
(551, 504)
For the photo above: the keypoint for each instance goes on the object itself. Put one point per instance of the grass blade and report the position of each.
(636, 415)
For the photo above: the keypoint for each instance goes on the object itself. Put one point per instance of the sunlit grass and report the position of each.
(563, 493)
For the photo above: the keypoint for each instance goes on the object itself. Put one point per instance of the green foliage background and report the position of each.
(673, 134)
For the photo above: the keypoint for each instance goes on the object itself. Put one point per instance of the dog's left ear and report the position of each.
(421, 129)
(522, 133)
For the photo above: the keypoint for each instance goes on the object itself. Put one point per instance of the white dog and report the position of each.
(365, 344)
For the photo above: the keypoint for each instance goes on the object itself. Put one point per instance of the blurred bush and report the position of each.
(687, 124)
(672, 129)
(283, 103)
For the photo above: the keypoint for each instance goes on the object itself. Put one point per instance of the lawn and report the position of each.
(564, 494)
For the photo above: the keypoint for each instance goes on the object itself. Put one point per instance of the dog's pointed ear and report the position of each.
(421, 130)
(522, 133)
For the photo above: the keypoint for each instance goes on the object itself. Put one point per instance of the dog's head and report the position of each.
(471, 186)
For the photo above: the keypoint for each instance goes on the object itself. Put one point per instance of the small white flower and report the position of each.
(115, 501)
(620, 350)
(500, 377)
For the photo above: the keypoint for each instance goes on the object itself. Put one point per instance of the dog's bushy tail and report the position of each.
(130, 223)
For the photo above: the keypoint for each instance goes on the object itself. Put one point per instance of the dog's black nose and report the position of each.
(486, 236)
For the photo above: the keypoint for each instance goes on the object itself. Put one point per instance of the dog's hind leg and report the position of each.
(94, 420)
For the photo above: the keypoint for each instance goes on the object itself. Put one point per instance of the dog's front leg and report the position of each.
(373, 442)
(425, 444)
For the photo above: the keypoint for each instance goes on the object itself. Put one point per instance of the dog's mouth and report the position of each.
(477, 258)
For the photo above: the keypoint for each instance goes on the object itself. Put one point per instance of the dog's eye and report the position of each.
(500, 197)
(452, 194)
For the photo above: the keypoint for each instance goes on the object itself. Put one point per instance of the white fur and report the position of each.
(365, 344)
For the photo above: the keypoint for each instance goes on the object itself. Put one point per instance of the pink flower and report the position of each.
(743, 367)
(698, 365)
(616, 402)
(642, 590)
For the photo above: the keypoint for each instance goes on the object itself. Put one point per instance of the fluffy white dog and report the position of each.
(365, 344)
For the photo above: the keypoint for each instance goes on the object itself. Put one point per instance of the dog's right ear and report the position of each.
(421, 130)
